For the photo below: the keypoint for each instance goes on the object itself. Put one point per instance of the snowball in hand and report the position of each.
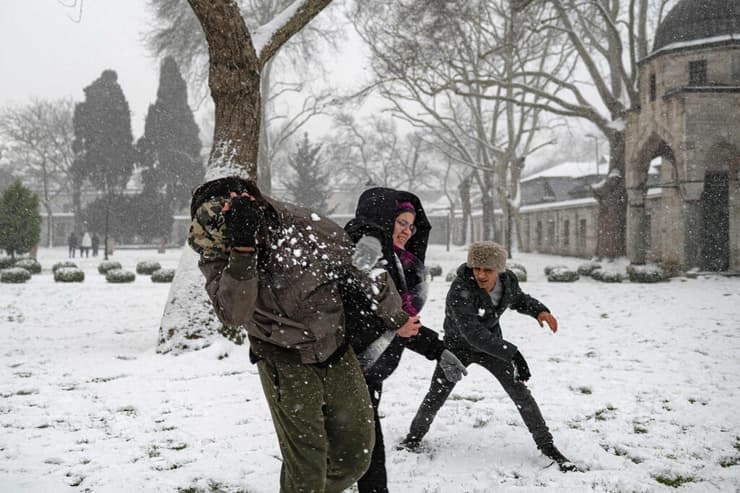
(367, 253)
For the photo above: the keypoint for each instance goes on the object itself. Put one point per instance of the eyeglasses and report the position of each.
(404, 224)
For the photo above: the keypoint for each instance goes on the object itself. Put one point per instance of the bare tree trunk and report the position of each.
(234, 80)
(235, 68)
(465, 205)
(264, 166)
(487, 204)
(611, 195)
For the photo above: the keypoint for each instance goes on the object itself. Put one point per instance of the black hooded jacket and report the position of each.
(376, 216)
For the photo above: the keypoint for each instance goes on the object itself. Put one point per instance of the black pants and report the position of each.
(375, 480)
(441, 387)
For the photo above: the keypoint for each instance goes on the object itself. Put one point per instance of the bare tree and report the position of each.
(374, 151)
(426, 52)
(176, 34)
(608, 38)
(237, 57)
(40, 136)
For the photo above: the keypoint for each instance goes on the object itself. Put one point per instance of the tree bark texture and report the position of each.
(612, 199)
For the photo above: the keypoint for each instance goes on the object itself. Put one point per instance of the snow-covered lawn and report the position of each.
(640, 386)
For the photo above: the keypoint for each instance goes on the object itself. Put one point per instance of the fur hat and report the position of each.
(487, 255)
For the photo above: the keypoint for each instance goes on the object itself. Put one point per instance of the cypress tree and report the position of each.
(309, 186)
(170, 148)
(104, 153)
(20, 220)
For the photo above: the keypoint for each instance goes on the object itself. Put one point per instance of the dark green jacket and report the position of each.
(471, 321)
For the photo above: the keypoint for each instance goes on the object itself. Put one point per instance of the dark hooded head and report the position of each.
(377, 210)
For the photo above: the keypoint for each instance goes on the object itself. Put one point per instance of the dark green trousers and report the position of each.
(323, 419)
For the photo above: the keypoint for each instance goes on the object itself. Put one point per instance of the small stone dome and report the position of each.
(692, 20)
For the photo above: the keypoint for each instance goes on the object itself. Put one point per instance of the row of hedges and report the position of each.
(20, 271)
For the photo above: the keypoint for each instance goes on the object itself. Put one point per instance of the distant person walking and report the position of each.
(72, 244)
(95, 244)
(85, 245)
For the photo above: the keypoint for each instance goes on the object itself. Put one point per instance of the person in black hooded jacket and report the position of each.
(397, 220)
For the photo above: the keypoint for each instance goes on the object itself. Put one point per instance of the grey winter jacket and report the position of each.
(290, 293)
(472, 322)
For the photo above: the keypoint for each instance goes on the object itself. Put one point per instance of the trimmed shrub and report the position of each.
(550, 268)
(607, 275)
(588, 268)
(517, 266)
(147, 268)
(119, 276)
(66, 263)
(107, 265)
(6, 262)
(450, 276)
(30, 264)
(15, 275)
(562, 274)
(521, 275)
(434, 271)
(69, 274)
(163, 275)
(646, 273)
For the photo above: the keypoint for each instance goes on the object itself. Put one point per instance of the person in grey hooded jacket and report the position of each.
(482, 290)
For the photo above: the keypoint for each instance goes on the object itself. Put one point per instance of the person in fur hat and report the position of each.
(482, 290)
(275, 274)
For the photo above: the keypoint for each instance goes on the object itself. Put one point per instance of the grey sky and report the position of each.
(45, 54)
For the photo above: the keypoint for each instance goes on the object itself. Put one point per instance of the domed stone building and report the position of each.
(689, 115)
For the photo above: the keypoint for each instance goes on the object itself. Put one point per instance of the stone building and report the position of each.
(689, 115)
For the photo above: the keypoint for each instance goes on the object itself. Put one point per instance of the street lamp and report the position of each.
(596, 150)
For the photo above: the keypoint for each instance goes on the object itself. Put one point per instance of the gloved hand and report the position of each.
(521, 369)
(367, 253)
(451, 366)
(242, 217)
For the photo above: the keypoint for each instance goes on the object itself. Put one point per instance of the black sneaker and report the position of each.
(553, 453)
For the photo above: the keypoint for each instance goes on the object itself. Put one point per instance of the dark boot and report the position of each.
(410, 444)
(551, 451)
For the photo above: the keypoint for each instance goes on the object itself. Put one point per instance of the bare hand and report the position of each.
(551, 321)
(410, 328)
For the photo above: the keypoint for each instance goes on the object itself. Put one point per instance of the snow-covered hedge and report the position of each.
(550, 268)
(562, 274)
(30, 264)
(607, 275)
(6, 262)
(119, 276)
(14, 275)
(147, 268)
(646, 273)
(68, 274)
(66, 263)
(107, 265)
(588, 268)
(163, 275)
(520, 274)
(516, 266)
(434, 271)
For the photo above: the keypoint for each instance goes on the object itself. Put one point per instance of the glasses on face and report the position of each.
(404, 224)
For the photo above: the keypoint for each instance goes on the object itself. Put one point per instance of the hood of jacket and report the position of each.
(376, 215)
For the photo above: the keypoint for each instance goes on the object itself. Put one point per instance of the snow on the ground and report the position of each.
(640, 384)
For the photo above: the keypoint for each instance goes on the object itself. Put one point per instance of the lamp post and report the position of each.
(596, 150)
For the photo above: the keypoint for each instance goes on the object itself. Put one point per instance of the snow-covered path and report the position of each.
(640, 385)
